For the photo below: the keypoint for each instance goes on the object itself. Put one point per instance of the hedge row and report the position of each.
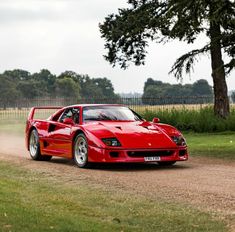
(202, 120)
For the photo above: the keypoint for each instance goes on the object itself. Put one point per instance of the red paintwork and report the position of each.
(133, 136)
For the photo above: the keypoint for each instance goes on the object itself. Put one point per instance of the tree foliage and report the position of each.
(31, 89)
(156, 92)
(96, 88)
(17, 84)
(127, 34)
(8, 91)
(67, 87)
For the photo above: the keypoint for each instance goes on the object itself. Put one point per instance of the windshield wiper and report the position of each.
(104, 118)
(92, 119)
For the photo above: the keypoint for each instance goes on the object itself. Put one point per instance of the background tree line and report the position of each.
(20, 84)
(156, 92)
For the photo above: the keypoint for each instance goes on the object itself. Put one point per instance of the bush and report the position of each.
(202, 120)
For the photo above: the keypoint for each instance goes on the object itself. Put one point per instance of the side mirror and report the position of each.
(156, 120)
(68, 121)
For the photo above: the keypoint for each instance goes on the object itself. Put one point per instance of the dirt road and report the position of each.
(206, 183)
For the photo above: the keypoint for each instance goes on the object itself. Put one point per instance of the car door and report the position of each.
(59, 138)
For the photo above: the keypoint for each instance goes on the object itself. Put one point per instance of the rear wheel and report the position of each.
(166, 163)
(81, 151)
(34, 147)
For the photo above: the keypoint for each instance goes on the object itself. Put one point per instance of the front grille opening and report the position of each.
(182, 152)
(114, 154)
(150, 153)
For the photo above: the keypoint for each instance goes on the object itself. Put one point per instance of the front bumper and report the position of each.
(136, 155)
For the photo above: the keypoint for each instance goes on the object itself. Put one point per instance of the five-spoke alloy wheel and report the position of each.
(81, 151)
(34, 147)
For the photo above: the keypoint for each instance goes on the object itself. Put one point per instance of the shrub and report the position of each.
(202, 120)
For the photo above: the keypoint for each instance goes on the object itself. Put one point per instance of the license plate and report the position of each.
(154, 158)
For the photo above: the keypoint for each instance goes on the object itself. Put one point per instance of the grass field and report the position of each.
(218, 145)
(36, 202)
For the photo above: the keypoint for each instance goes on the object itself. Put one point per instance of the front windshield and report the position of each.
(109, 113)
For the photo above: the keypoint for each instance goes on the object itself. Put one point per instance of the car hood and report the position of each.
(138, 134)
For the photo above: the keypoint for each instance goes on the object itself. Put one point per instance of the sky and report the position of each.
(64, 35)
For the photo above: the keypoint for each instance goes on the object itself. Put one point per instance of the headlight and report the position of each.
(111, 142)
(179, 140)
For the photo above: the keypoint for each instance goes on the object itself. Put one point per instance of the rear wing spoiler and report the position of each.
(33, 109)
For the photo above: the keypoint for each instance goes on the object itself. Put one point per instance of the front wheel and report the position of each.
(166, 163)
(34, 147)
(81, 151)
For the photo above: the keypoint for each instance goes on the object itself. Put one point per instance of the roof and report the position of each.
(85, 105)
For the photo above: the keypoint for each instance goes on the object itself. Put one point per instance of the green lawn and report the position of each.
(30, 201)
(13, 127)
(218, 145)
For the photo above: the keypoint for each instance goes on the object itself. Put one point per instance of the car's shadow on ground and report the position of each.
(129, 167)
(124, 166)
(58, 160)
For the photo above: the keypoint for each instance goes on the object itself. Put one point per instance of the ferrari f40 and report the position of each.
(98, 133)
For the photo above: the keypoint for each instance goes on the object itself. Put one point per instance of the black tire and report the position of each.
(80, 151)
(34, 147)
(166, 163)
(46, 157)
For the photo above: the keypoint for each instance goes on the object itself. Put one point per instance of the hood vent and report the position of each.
(118, 127)
(146, 127)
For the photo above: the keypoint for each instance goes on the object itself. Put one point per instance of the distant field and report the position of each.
(143, 108)
(12, 115)
(21, 114)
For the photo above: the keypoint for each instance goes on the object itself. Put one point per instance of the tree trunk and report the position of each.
(221, 104)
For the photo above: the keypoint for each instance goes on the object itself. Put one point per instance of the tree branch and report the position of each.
(186, 61)
(229, 66)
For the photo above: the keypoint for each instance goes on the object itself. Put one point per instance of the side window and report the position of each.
(57, 115)
(72, 113)
(67, 114)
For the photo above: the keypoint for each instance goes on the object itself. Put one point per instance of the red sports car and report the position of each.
(103, 133)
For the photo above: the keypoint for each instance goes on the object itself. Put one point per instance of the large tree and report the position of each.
(127, 35)
(18, 75)
(47, 80)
